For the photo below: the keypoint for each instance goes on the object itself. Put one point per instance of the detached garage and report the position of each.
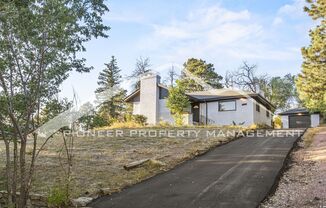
(299, 118)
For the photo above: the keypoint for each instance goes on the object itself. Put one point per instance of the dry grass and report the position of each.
(98, 162)
(309, 135)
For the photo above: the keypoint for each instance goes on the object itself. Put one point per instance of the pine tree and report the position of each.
(110, 77)
(202, 70)
(311, 82)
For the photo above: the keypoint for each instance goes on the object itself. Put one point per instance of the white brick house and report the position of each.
(216, 107)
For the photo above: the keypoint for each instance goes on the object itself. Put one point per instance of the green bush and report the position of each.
(178, 119)
(58, 197)
(164, 124)
(277, 121)
(140, 119)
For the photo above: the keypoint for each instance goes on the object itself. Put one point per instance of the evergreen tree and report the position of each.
(311, 82)
(110, 77)
(202, 70)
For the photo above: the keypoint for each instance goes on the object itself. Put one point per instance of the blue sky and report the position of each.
(223, 32)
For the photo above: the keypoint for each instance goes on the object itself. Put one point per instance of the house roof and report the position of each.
(136, 92)
(295, 111)
(214, 95)
(227, 94)
(132, 95)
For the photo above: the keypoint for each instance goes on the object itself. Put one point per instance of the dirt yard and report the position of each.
(98, 161)
(304, 183)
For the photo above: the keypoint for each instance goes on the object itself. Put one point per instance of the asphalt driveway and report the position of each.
(238, 174)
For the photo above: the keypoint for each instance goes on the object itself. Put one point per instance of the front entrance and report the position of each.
(195, 112)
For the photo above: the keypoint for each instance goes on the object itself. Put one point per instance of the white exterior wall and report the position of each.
(149, 98)
(136, 108)
(243, 113)
(261, 117)
(315, 120)
(285, 121)
(164, 112)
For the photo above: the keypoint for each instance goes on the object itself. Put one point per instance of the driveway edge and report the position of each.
(285, 167)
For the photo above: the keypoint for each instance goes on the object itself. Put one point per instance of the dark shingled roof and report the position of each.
(225, 94)
(295, 111)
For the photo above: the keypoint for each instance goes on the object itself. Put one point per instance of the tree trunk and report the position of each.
(8, 171)
(14, 173)
(23, 178)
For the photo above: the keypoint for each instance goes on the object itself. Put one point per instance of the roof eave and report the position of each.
(132, 95)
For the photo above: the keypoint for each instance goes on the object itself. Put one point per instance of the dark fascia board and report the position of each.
(257, 97)
(263, 101)
(297, 113)
(132, 95)
(163, 86)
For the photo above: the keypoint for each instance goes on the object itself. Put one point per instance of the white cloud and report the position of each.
(200, 23)
(293, 10)
(277, 21)
(214, 32)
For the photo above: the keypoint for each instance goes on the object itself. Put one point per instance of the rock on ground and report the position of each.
(303, 185)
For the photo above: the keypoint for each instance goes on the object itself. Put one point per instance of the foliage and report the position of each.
(39, 43)
(279, 91)
(57, 197)
(202, 70)
(140, 119)
(277, 122)
(164, 124)
(178, 102)
(311, 82)
(94, 120)
(54, 107)
(258, 126)
(110, 77)
(121, 125)
(130, 121)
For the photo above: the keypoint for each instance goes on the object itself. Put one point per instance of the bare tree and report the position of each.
(172, 76)
(246, 78)
(228, 80)
(142, 66)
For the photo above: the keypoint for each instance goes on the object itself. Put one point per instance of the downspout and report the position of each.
(206, 112)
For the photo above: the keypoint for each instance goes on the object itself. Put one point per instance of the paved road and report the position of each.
(239, 174)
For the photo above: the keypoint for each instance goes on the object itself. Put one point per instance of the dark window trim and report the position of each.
(257, 107)
(267, 113)
(226, 101)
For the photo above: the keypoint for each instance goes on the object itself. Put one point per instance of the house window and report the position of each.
(267, 113)
(227, 105)
(164, 93)
(257, 107)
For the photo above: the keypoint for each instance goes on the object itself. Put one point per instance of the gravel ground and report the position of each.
(303, 185)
